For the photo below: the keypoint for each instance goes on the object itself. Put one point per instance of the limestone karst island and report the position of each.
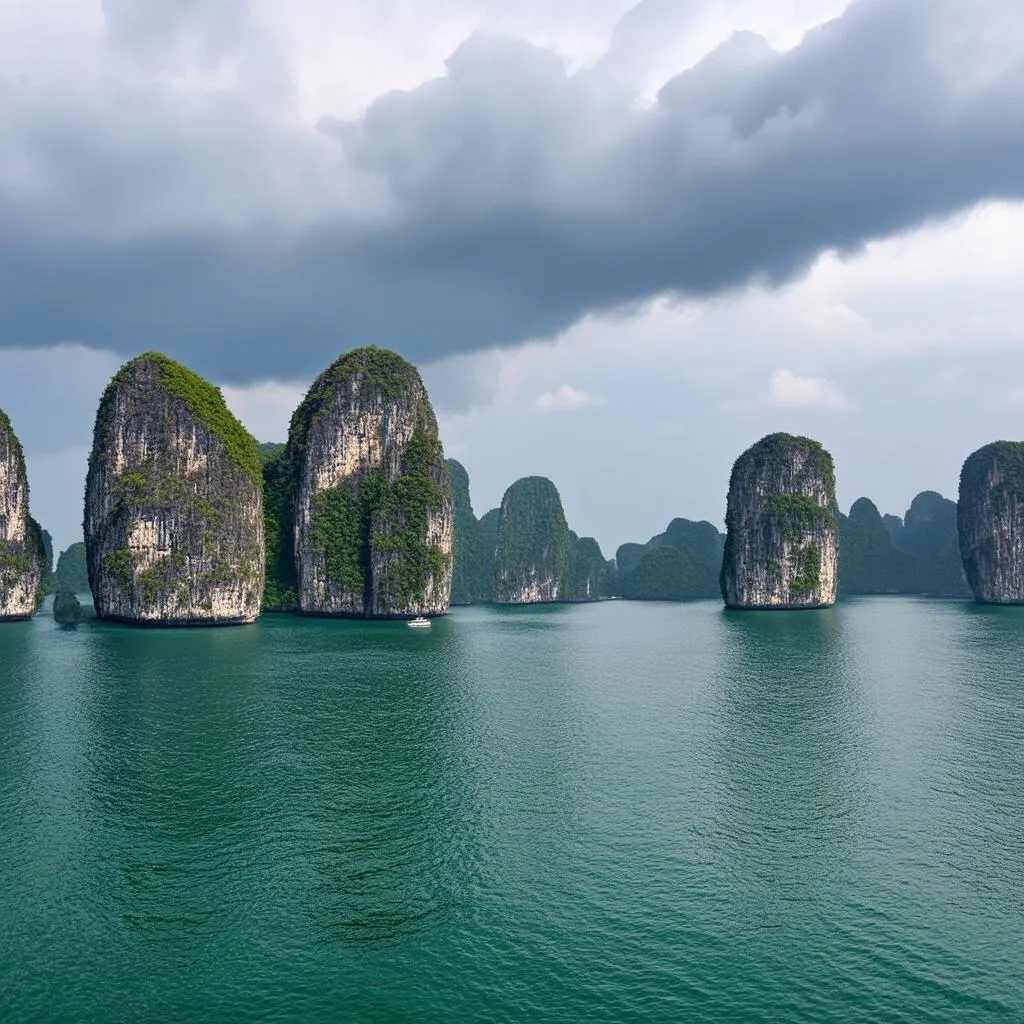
(189, 521)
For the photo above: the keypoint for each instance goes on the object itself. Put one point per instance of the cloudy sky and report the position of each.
(621, 240)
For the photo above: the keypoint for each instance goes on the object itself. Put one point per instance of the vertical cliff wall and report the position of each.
(990, 522)
(781, 541)
(21, 541)
(173, 504)
(531, 560)
(373, 521)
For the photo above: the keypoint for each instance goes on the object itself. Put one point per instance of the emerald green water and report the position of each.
(615, 812)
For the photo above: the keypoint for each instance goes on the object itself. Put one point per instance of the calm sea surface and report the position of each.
(616, 812)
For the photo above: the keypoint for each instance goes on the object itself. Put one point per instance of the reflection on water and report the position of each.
(789, 745)
(604, 813)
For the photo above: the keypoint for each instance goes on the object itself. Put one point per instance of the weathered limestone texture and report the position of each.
(21, 541)
(173, 502)
(531, 559)
(990, 522)
(373, 514)
(781, 542)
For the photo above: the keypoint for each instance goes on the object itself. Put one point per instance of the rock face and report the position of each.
(22, 558)
(373, 520)
(781, 535)
(991, 522)
(531, 559)
(173, 502)
(280, 592)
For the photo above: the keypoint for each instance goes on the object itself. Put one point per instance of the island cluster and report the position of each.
(189, 521)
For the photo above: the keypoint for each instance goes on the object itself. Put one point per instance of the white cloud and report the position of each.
(265, 409)
(788, 390)
(567, 399)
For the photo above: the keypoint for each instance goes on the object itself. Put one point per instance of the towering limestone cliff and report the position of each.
(373, 502)
(781, 532)
(173, 502)
(22, 557)
(531, 559)
(991, 522)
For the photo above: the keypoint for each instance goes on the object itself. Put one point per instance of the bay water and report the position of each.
(612, 812)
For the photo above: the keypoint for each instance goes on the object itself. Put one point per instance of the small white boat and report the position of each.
(419, 622)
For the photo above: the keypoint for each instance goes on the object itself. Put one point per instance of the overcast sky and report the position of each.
(621, 241)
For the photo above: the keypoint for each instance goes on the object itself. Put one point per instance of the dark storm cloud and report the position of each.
(520, 196)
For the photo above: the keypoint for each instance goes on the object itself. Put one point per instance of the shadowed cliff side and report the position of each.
(991, 522)
(22, 555)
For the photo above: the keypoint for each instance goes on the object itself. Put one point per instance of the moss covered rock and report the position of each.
(373, 521)
(72, 572)
(464, 547)
(869, 561)
(22, 555)
(531, 559)
(781, 541)
(67, 610)
(991, 522)
(173, 505)
(590, 575)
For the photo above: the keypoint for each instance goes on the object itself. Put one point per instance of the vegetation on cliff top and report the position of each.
(13, 443)
(1008, 456)
(385, 371)
(203, 400)
(777, 451)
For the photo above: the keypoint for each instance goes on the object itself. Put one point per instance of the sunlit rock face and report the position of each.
(373, 522)
(990, 522)
(173, 505)
(532, 553)
(781, 542)
(21, 542)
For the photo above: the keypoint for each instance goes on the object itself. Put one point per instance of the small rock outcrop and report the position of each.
(531, 559)
(173, 502)
(22, 558)
(67, 610)
(72, 572)
(990, 522)
(781, 534)
(373, 522)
